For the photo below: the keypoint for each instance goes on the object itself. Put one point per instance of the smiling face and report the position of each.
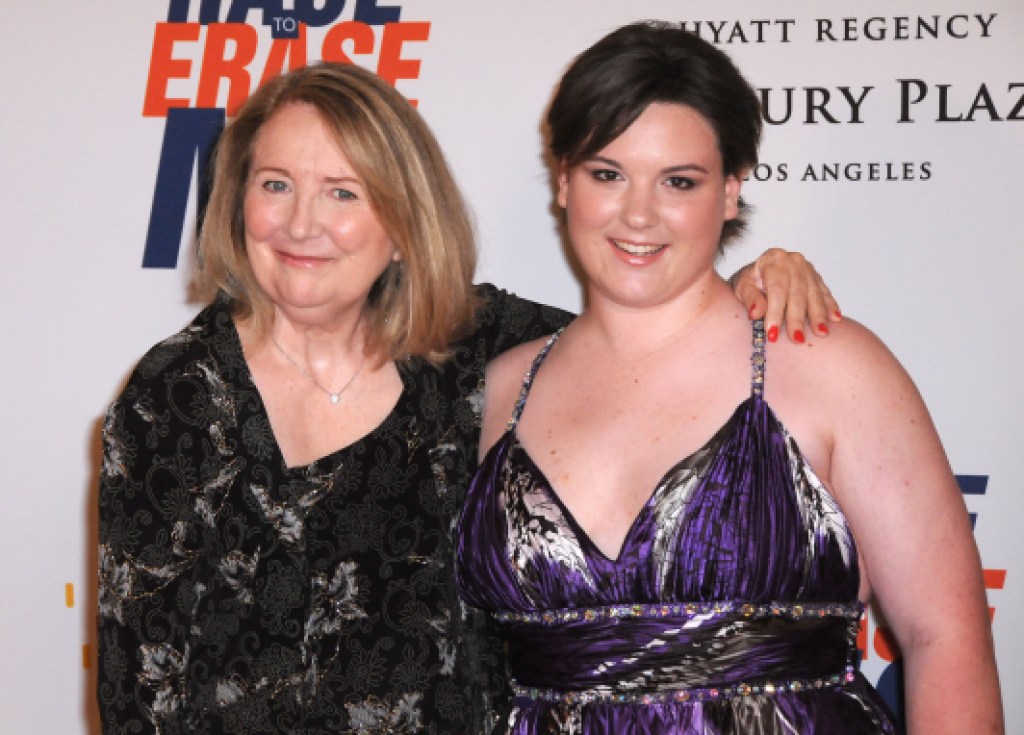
(314, 243)
(645, 213)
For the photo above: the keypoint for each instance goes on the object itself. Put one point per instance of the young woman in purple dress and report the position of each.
(677, 522)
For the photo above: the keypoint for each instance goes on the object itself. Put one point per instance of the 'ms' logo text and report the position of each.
(218, 57)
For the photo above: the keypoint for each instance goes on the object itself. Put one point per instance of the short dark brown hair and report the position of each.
(610, 85)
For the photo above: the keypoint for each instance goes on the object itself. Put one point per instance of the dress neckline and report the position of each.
(511, 437)
(660, 486)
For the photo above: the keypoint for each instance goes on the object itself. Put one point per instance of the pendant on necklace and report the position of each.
(335, 397)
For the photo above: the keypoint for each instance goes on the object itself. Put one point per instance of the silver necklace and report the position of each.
(335, 396)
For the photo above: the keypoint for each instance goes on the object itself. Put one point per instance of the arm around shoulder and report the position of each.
(505, 320)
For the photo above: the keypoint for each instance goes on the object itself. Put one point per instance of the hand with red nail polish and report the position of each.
(784, 288)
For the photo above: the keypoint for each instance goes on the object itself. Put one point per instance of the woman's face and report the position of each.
(645, 213)
(314, 242)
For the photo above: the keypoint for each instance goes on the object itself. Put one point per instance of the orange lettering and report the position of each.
(995, 579)
(392, 66)
(217, 65)
(292, 49)
(163, 67)
(360, 34)
(885, 644)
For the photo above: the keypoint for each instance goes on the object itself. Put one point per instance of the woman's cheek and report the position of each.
(261, 220)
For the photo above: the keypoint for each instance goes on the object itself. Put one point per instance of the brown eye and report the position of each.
(605, 174)
(680, 182)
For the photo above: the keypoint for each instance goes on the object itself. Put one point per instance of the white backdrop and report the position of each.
(918, 233)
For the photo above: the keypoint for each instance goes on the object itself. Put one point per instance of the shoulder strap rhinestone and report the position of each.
(757, 360)
(517, 411)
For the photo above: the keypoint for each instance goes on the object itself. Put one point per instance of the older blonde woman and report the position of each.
(281, 477)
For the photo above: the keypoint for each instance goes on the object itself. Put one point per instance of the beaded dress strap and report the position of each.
(757, 359)
(517, 411)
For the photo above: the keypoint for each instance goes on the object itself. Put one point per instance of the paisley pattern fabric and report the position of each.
(238, 595)
(732, 607)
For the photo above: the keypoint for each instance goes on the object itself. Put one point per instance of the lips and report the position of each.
(301, 261)
(638, 249)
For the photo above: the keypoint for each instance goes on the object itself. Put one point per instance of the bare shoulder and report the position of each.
(834, 393)
(504, 378)
(512, 364)
(852, 355)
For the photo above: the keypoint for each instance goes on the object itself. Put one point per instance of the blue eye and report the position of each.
(274, 185)
(343, 194)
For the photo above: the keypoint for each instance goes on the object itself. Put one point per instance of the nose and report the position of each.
(303, 220)
(639, 210)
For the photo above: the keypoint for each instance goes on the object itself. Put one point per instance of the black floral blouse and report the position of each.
(237, 595)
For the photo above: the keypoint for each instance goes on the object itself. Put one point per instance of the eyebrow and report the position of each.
(682, 168)
(327, 179)
(343, 180)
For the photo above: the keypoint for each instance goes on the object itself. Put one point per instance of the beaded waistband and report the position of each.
(695, 694)
(680, 651)
(851, 611)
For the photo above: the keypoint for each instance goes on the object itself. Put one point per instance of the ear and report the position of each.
(733, 184)
(563, 183)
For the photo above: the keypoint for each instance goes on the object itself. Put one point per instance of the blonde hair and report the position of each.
(419, 305)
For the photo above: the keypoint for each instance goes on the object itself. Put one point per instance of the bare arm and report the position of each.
(891, 476)
(783, 285)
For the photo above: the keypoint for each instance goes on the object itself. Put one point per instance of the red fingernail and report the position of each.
(798, 336)
(838, 315)
(823, 328)
(773, 334)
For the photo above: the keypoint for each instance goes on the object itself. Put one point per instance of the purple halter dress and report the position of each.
(732, 607)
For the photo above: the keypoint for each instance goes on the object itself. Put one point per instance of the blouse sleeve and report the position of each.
(161, 481)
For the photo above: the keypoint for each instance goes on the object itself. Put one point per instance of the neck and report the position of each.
(320, 344)
(628, 333)
(330, 358)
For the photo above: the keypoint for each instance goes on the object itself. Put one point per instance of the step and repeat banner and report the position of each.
(893, 158)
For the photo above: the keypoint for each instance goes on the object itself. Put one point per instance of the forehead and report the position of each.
(666, 130)
(299, 132)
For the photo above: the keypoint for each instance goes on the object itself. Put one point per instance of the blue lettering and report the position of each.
(307, 12)
(209, 11)
(190, 134)
(890, 687)
(972, 485)
(239, 11)
(368, 12)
